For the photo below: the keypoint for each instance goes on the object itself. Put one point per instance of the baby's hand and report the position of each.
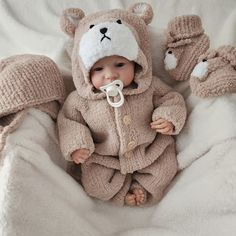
(162, 126)
(80, 155)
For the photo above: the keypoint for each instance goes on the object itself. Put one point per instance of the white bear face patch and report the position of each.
(200, 69)
(106, 39)
(170, 60)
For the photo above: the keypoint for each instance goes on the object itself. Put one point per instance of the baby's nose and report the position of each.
(111, 76)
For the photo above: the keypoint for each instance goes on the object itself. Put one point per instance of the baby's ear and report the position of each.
(143, 10)
(70, 20)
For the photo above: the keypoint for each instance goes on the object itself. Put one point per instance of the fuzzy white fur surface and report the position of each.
(38, 198)
(116, 39)
(210, 122)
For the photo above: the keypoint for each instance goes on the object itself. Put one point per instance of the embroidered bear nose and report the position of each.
(103, 30)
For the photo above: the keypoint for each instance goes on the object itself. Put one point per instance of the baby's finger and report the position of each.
(166, 129)
(84, 156)
(158, 121)
(84, 151)
(77, 160)
(168, 132)
(160, 126)
(81, 159)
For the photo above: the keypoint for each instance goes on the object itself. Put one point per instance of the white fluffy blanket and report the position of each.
(38, 198)
(211, 122)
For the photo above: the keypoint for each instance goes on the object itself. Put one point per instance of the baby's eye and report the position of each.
(121, 64)
(98, 69)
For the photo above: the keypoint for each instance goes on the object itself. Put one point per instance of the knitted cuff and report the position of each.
(183, 27)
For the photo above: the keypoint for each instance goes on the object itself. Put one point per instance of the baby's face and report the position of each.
(112, 68)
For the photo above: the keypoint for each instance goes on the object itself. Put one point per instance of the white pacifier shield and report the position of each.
(112, 90)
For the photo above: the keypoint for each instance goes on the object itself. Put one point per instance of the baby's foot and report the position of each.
(140, 196)
(136, 198)
(130, 199)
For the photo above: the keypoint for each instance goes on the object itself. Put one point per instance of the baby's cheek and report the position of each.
(96, 81)
(200, 70)
(170, 60)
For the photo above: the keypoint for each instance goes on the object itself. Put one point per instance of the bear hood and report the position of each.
(112, 32)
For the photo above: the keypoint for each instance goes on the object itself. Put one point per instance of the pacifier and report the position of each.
(112, 90)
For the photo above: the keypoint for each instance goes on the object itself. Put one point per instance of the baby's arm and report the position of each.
(74, 134)
(170, 113)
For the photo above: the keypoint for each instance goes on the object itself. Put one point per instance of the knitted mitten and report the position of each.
(215, 74)
(186, 41)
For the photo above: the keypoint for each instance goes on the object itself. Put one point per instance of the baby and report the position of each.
(117, 123)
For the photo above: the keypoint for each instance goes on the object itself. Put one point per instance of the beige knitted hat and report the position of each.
(186, 41)
(27, 81)
(215, 74)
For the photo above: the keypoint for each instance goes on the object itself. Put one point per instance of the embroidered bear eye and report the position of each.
(91, 26)
(204, 60)
(119, 21)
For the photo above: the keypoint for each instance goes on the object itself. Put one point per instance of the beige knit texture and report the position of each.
(27, 81)
(220, 78)
(124, 150)
(186, 41)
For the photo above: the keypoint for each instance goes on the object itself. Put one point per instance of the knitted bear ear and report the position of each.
(143, 10)
(70, 20)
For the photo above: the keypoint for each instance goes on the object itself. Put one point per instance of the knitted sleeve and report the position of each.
(169, 105)
(73, 132)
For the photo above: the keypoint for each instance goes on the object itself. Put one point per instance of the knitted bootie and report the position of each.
(215, 74)
(186, 41)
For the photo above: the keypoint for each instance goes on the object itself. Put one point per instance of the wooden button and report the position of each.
(131, 144)
(127, 119)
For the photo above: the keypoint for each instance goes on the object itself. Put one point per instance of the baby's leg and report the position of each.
(119, 198)
(103, 182)
(156, 177)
